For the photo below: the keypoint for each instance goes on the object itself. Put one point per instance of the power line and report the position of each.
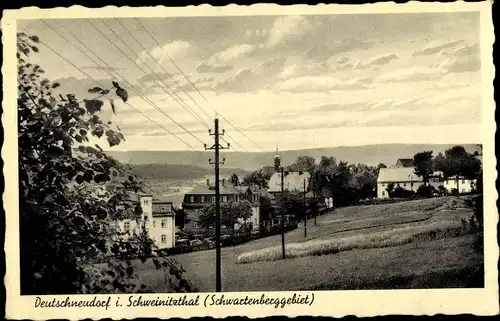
(196, 116)
(90, 77)
(141, 95)
(192, 84)
(158, 108)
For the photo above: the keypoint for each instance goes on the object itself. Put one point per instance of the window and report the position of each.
(191, 199)
(163, 238)
(224, 198)
(163, 223)
(463, 181)
(126, 226)
(383, 193)
(463, 190)
(203, 199)
(213, 199)
(404, 184)
(196, 225)
(154, 223)
(146, 202)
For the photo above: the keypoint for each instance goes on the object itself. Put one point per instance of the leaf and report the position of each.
(98, 147)
(82, 149)
(33, 38)
(79, 179)
(93, 105)
(78, 138)
(62, 98)
(122, 93)
(55, 85)
(99, 178)
(95, 90)
(112, 106)
(116, 85)
(34, 48)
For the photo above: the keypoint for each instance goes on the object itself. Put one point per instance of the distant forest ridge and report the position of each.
(178, 171)
(196, 162)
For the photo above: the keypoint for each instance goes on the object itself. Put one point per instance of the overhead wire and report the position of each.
(154, 104)
(177, 98)
(192, 84)
(90, 77)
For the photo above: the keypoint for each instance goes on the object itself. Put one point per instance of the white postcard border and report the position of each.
(326, 303)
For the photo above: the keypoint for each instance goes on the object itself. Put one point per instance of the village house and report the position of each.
(405, 178)
(292, 182)
(252, 194)
(324, 197)
(156, 216)
(203, 195)
(464, 186)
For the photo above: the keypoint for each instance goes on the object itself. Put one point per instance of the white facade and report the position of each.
(329, 202)
(409, 185)
(255, 218)
(161, 229)
(464, 185)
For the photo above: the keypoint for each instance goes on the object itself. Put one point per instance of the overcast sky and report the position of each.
(296, 81)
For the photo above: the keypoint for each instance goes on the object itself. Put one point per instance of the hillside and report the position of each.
(368, 154)
(178, 171)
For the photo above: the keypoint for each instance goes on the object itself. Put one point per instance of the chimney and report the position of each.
(208, 181)
(223, 182)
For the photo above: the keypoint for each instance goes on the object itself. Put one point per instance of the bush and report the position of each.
(400, 192)
(426, 190)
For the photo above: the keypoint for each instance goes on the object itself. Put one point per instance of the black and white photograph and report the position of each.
(265, 153)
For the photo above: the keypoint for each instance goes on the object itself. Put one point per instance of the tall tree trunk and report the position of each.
(458, 187)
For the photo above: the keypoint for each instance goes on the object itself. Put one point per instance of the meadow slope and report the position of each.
(429, 260)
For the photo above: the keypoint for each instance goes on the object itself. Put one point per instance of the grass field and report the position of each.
(389, 259)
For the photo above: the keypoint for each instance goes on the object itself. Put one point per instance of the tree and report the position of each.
(390, 189)
(303, 164)
(256, 178)
(266, 209)
(230, 213)
(439, 162)
(69, 203)
(458, 163)
(423, 165)
(381, 165)
(293, 204)
(181, 217)
(234, 179)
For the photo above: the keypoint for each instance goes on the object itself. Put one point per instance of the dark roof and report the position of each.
(405, 162)
(204, 189)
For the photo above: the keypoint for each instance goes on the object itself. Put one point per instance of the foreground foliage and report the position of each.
(71, 194)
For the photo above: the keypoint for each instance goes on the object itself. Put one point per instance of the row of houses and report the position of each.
(402, 174)
(202, 195)
(158, 216)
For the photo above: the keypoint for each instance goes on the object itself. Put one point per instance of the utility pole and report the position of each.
(315, 205)
(282, 214)
(217, 147)
(278, 167)
(305, 210)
